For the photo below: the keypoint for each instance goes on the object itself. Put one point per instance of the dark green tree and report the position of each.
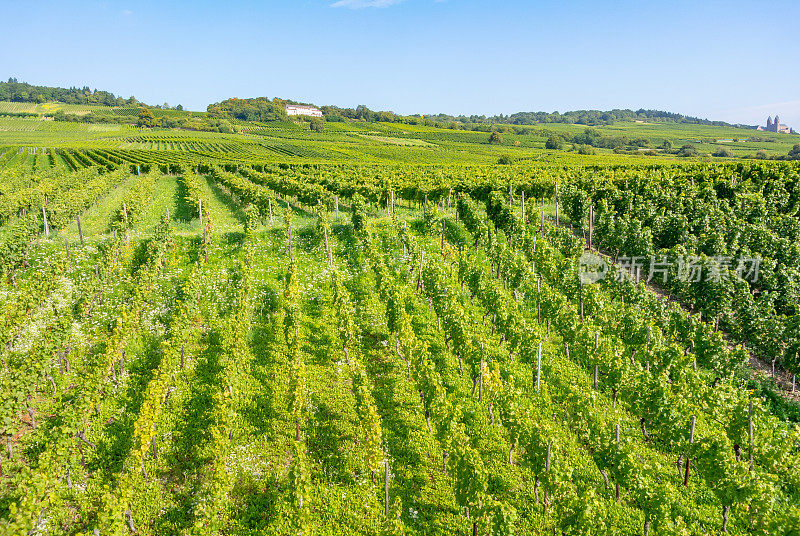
(555, 143)
(146, 118)
(316, 124)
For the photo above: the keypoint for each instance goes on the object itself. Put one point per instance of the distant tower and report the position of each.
(777, 124)
(769, 123)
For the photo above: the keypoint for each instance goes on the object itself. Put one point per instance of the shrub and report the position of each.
(554, 143)
(316, 125)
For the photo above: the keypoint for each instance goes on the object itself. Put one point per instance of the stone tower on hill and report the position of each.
(775, 126)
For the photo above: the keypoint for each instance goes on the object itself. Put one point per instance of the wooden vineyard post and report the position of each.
(691, 440)
(129, 516)
(547, 459)
(480, 378)
(337, 206)
(205, 243)
(591, 225)
(289, 233)
(386, 488)
(538, 367)
(538, 299)
(443, 226)
(328, 248)
(392, 194)
(547, 472)
(596, 372)
(750, 432)
(557, 222)
(421, 261)
(523, 207)
(46, 226)
(542, 215)
(80, 231)
(617, 482)
(200, 210)
(794, 381)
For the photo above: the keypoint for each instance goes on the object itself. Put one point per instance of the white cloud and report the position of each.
(361, 4)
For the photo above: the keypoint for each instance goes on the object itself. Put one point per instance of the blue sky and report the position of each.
(730, 60)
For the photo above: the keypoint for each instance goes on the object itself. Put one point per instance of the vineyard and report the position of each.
(199, 341)
(111, 139)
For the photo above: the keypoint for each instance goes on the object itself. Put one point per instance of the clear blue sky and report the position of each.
(732, 60)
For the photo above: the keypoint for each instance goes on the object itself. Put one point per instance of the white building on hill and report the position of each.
(297, 109)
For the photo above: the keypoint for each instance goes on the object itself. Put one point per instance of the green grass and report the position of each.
(165, 198)
(95, 221)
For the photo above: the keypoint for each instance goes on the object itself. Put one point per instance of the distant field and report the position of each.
(84, 109)
(397, 141)
(48, 107)
(346, 142)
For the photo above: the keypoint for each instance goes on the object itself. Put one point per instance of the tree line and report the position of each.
(474, 122)
(15, 91)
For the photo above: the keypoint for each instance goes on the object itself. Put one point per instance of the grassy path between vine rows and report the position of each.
(96, 218)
